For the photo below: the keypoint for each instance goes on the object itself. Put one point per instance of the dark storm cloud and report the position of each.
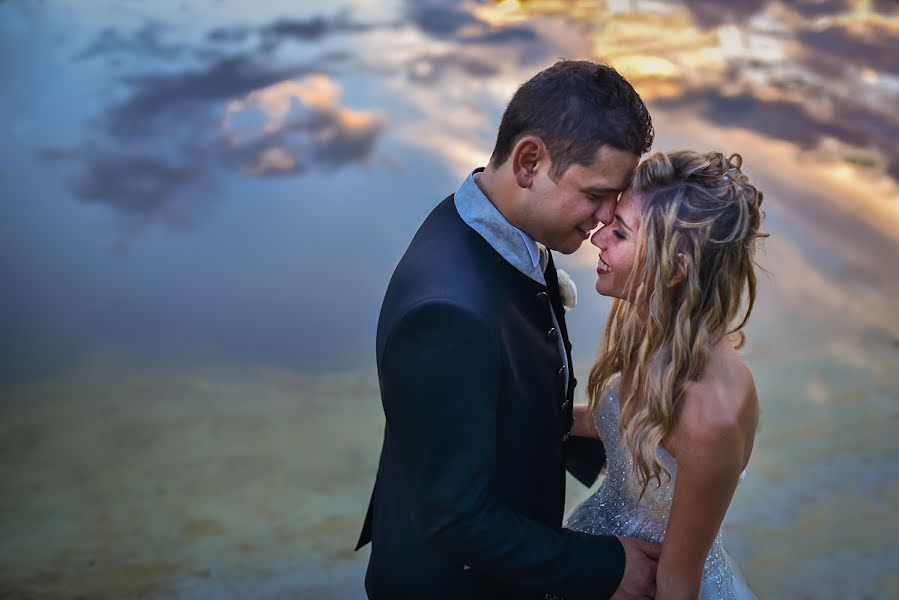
(157, 98)
(445, 20)
(131, 184)
(439, 19)
(506, 35)
(824, 65)
(777, 118)
(711, 13)
(145, 42)
(878, 50)
(431, 67)
(818, 8)
(312, 29)
(791, 121)
(225, 35)
(889, 8)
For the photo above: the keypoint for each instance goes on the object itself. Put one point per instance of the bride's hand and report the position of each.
(641, 560)
(583, 426)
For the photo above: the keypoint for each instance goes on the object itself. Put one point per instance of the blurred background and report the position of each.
(201, 204)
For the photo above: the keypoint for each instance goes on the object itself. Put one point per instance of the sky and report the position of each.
(214, 179)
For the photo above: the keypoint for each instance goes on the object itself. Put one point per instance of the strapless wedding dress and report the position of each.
(614, 510)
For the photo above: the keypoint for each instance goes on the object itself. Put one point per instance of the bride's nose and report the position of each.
(596, 238)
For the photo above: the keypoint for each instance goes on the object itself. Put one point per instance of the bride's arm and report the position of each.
(584, 425)
(709, 463)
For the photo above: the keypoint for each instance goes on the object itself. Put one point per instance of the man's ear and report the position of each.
(528, 157)
(680, 270)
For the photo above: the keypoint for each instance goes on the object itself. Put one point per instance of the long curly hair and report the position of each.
(693, 283)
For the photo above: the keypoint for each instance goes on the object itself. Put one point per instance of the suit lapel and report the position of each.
(555, 296)
(552, 287)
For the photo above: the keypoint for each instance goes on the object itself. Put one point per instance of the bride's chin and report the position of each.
(602, 291)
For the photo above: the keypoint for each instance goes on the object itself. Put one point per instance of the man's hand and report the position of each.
(641, 559)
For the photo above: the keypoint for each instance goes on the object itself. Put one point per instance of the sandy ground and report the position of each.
(119, 483)
(227, 482)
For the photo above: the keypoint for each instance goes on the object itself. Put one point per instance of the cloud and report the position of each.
(312, 29)
(132, 184)
(315, 28)
(819, 8)
(284, 127)
(427, 68)
(306, 30)
(158, 99)
(877, 47)
(439, 19)
(165, 142)
(466, 59)
(145, 42)
(711, 13)
(506, 35)
(794, 122)
(448, 21)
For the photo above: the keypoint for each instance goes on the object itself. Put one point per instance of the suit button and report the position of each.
(552, 334)
(565, 406)
(566, 436)
(543, 297)
(561, 373)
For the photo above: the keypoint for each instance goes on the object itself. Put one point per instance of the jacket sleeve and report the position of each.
(584, 459)
(441, 377)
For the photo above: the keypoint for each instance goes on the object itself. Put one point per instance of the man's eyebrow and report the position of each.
(620, 220)
(601, 191)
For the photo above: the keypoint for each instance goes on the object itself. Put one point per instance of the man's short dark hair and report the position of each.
(575, 106)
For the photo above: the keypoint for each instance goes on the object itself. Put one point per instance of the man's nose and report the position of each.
(606, 211)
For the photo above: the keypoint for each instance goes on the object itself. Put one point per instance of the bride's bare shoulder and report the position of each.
(721, 407)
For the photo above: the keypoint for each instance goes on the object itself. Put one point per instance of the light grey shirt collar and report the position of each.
(514, 245)
(518, 248)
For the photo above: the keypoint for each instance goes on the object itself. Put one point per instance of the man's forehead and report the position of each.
(612, 168)
(606, 180)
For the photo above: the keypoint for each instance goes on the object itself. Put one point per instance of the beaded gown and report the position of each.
(614, 510)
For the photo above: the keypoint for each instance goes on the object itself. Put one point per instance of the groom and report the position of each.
(475, 369)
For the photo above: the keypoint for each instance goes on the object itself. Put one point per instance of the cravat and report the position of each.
(544, 256)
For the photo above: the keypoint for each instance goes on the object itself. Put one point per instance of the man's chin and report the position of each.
(565, 247)
(571, 247)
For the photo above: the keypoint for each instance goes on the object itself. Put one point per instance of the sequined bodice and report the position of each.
(617, 509)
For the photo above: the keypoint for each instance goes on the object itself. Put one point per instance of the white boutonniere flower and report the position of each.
(567, 290)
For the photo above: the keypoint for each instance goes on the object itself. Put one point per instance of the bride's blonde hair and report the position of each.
(700, 221)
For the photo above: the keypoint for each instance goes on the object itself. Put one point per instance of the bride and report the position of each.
(669, 394)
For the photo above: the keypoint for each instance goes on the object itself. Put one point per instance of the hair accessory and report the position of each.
(733, 173)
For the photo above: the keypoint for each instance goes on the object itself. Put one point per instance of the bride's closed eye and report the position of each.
(617, 232)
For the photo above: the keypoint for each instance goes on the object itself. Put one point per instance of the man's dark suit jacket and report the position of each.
(469, 497)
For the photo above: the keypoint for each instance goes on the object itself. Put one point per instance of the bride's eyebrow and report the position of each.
(620, 220)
